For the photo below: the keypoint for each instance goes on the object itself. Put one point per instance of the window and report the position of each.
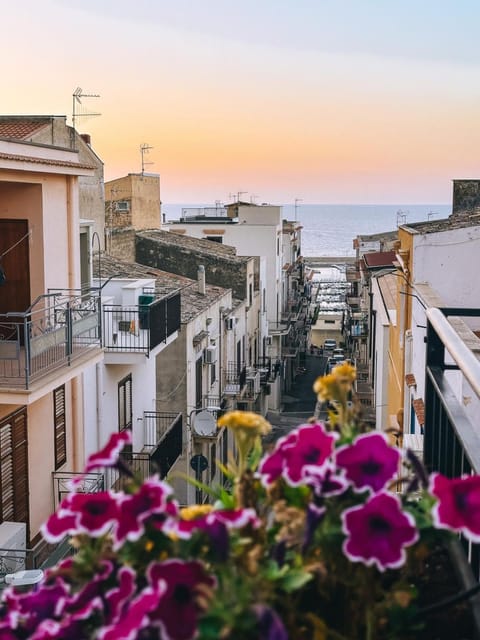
(218, 239)
(14, 468)
(125, 403)
(59, 427)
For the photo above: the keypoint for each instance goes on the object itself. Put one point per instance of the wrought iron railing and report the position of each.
(451, 437)
(140, 328)
(57, 329)
(156, 424)
(89, 483)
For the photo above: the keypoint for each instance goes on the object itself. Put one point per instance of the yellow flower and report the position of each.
(195, 511)
(345, 372)
(325, 387)
(149, 546)
(246, 421)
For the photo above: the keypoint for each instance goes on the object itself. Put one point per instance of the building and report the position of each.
(53, 131)
(132, 203)
(50, 333)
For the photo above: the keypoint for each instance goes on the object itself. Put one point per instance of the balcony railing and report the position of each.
(156, 425)
(55, 331)
(451, 437)
(90, 483)
(140, 328)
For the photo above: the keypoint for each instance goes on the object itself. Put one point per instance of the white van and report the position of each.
(329, 345)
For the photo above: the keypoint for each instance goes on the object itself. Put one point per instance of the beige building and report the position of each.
(132, 203)
(53, 131)
(50, 334)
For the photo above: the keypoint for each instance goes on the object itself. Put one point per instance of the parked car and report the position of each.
(338, 354)
(330, 345)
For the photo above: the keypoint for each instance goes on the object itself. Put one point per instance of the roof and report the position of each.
(47, 161)
(192, 303)
(199, 245)
(21, 127)
(379, 259)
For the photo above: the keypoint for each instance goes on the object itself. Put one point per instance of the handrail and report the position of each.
(461, 354)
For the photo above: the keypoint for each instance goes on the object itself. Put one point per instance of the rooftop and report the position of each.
(22, 127)
(192, 302)
(199, 245)
(379, 259)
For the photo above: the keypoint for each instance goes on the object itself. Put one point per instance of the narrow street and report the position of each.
(299, 404)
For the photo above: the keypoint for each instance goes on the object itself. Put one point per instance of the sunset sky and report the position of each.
(328, 101)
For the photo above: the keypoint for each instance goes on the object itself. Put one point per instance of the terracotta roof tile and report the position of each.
(20, 129)
(419, 408)
(377, 259)
(410, 380)
(56, 163)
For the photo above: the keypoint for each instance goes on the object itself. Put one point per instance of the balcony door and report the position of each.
(15, 290)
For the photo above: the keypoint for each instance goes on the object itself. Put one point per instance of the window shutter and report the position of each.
(14, 468)
(60, 431)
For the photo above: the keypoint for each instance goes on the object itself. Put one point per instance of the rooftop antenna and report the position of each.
(297, 200)
(76, 100)
(145, 148)
(430, 215)
(253, 197)
(401, 217)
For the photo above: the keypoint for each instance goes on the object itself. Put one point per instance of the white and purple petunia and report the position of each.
(178, 608)
(378, 532)
(458, 504)
(133, 509)
(304, 451)
(370, 462)
(92, 513)
(135, 616)
(106, 457)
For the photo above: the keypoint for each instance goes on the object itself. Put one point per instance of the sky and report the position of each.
(323, 101)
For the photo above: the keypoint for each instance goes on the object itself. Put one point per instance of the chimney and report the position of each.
(86, 138)
(201, 279)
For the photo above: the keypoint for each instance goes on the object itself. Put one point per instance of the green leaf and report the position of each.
(295, 579)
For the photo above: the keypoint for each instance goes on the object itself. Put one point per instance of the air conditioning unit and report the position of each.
(210, 355)
(230, 323)
(123, 205)
(13, 542)
(253, 381)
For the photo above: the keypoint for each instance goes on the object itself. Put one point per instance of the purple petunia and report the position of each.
(370, 462)
(92, 513)
(304, 451)
(326, 482)
(134, 509)
(106, 457)
(378, 532)
(270, 625)
(458, 506)
(178, 609)
(135, 616)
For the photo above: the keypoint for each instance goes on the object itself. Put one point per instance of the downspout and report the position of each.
(100, 393)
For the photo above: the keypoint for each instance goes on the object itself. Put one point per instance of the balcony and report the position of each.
(452, 403)
(140, 328)
(56, 332)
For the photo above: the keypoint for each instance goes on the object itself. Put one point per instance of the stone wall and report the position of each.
(121, 243)
(466, 197)
(219, 270)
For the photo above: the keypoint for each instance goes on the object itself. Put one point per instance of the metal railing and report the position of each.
(57, 329)
(156, 424)
(140, 328)
(90, 483)
(451, 437)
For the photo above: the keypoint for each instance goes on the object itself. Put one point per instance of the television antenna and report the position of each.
(77, 95)
(144, 148)
(297, 200)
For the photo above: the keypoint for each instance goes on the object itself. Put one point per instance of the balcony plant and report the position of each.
(314, 540)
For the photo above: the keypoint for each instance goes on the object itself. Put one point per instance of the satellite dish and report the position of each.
(204, 424)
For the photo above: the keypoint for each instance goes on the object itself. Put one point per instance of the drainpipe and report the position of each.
(78, 443)
(100, 393)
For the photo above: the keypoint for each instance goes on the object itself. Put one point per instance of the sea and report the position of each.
(329, 229)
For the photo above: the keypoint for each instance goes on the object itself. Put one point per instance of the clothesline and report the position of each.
(16, 243)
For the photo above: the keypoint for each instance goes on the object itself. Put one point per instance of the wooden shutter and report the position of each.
(125, 410)
(60, 430)
(14, 468)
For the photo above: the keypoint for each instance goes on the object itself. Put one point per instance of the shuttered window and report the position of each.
(14, 468)
(125, 403)
(60, 430)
